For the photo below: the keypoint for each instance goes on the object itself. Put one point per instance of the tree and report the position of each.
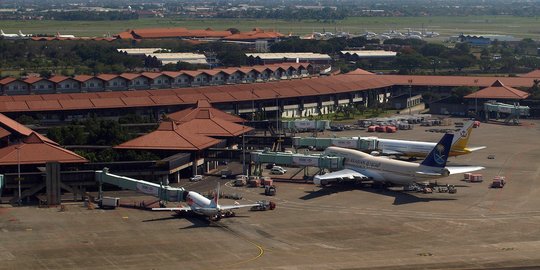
(460, 62)
(410, 61)
(233, 30)
(464, 47)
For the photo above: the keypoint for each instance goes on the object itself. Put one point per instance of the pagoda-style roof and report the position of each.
(203, 105)
(498, 91)
(359, 71)
(35, 150)
(12, 126)
(170, 136)
(205, 123)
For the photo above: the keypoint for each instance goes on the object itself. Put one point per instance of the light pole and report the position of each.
(243, 151)
(410, 95)
(476, 101)
(18, 147)
(277, 114)
(252, 104)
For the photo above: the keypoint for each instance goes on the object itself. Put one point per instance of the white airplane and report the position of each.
(201, 205)
(64, 36)
(8, 36)
(362, 166)
(23, 35)
(422, 149)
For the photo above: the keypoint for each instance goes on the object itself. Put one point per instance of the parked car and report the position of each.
(196, 178)
(277, 170)
(270, 165)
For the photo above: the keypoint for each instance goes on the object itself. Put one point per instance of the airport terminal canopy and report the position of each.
(205, 123)
(170, 136)
(203, 106)
(498, 91)
(35, 150)
(12, 127)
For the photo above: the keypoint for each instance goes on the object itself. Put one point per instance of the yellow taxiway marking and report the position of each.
(259, 247)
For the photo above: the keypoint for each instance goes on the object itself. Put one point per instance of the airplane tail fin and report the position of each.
(461, 138)
(215, 200)
(2, 32)
(439, 154)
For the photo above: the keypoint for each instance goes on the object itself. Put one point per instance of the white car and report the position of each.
(196, 178)
(277, 170)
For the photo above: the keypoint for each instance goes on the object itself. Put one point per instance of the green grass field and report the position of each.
(521, 27)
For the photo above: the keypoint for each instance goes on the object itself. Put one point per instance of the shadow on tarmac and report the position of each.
(400, 197)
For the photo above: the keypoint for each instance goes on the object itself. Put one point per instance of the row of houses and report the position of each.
(152, 80)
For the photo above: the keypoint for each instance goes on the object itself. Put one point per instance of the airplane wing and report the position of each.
(392, 153)
(185, 208)
(463, 169)
(231, 207)
(346, 174)
(472, 149)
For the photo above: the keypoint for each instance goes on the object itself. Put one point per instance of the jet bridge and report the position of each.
(512, 112)
(295, 160)
(365, 144)
(165, 193)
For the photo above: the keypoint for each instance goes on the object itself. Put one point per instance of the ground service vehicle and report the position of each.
(263, 206)
(270, 190)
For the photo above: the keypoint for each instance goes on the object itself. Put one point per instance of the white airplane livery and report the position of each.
(201, 205)
(422, 149)
(362, 166)
(20, 35)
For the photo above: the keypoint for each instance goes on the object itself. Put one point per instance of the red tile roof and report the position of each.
(130, 76)
(499, 91)
(7, 80)
(107, 77)
(35, 150)
(359, 71)
(83, 78)
(58, 78)
(242, 92)
(532, 74)
(255, 34)
(33, 79)
(191, 113)
(205, 123)
(170, 136)
(176, 32)
(4, 133)
(14, 126)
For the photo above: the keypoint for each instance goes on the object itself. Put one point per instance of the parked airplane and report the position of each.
(422, 149)
(201, 205)
(362, 166)
(20, 35)
(23, 35)
(58, 35)
(8, 36)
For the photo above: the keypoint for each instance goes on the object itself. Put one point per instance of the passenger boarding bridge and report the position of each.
(295, 160)
(365, 144)
(163, 192)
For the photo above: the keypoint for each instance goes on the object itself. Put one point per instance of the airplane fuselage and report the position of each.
(415, 148)
(201, 205)
(383, 169)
